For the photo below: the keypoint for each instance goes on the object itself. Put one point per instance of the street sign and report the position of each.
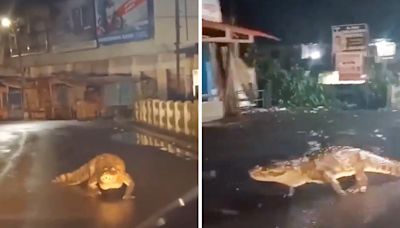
(352, 37)
(350, 66)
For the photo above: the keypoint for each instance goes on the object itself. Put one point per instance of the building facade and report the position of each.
(124, 38)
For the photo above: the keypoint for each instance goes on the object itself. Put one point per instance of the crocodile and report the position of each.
(103, 172)
(327, 166)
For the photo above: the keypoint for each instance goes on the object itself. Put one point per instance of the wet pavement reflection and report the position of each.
(188, 151)
(41, 150)
(232, 199)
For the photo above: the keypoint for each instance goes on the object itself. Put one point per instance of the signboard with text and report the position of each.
(352, 37)
(350, 66)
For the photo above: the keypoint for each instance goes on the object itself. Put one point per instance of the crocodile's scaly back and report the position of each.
(328, 166)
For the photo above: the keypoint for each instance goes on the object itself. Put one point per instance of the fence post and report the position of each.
(170, 116)
(156, 113)
(163, 114)
(179, 120)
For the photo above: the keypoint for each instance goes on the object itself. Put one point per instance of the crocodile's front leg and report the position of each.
(290, 193)
(130, 185)
(334, 183)
(93, 187)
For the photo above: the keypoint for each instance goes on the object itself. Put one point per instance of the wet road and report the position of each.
(33, 153)
(232, 199)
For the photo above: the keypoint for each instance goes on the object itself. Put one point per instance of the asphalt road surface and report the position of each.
(33, 153)
(232, 199)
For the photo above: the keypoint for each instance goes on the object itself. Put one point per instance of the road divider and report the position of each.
(173, 116)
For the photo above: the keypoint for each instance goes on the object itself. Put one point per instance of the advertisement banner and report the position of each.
(350, 66)
(73, 25)
(352, 37)
(211, 11)
(124, 20)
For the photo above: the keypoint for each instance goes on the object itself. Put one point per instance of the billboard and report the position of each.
(124, 20)
(211, 11)
(350, 66)
(352, 37)
(73, 25)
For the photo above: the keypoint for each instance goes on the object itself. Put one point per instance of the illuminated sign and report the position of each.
(349, 38)
(211, 11)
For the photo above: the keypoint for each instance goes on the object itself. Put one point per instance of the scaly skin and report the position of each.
(326, 167)
(105, 171)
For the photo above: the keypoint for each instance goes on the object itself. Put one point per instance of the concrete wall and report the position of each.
(212, 110)
(174, 116)
(163, 41)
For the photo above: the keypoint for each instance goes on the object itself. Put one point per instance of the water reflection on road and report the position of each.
(115, 214)
(42, 150)
(186, 151)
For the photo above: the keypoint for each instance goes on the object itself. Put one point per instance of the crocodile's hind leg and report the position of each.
(334, 183)
(361, 182)
(361, 177)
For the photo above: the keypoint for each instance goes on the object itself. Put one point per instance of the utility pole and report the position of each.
(21, 67)
(186, 21)
(177, 44)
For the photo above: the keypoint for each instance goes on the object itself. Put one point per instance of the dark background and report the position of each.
(298, 21)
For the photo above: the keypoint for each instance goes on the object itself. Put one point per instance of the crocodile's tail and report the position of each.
(75, 177)
(383, 165)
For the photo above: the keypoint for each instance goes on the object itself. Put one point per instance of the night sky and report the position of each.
(298, 21)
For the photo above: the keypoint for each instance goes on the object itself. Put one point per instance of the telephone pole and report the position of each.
(177, 44)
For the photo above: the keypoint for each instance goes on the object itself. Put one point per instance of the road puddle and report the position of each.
(164, 145)
(187, 151)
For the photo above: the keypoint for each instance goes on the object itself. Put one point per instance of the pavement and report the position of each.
(231, 147)
(33, 153)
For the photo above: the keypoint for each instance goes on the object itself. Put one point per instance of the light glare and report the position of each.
(315, 55)
(5, 22)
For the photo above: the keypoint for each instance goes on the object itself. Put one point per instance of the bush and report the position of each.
(291, 88)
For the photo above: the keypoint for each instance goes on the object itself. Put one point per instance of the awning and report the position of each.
(225, 33)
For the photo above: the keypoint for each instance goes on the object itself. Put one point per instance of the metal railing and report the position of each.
(257, 102)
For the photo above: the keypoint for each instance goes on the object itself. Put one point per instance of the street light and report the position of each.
(311, 51)
(316, 54)
(5, 22)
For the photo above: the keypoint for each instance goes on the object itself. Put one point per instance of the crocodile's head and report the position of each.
(279, 173)
(111, 178)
